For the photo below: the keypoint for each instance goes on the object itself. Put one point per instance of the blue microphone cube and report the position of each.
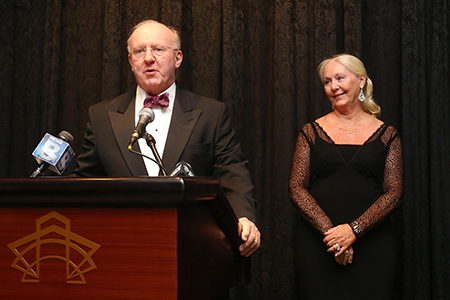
(55, 152)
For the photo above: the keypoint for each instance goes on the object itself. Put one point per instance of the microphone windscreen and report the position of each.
(66, 137)
(148, 113)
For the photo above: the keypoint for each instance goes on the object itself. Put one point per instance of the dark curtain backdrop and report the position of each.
(259, 57)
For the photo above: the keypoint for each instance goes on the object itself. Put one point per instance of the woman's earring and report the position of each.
(361, 96)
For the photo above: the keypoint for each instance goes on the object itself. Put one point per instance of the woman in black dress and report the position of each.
(346, 179)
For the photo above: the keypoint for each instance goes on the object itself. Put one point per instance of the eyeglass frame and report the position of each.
(152, 49)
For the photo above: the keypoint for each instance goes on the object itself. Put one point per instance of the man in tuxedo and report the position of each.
(187, 127)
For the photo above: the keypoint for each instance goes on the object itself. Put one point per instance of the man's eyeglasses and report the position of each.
(158, 51)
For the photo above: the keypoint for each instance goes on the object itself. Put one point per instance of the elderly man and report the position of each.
(187, 127)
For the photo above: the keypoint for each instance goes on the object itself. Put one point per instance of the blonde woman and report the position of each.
(346, 179)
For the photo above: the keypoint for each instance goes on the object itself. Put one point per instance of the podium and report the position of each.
(117, 238)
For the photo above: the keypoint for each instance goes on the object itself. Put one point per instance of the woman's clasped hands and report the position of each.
(339, 240)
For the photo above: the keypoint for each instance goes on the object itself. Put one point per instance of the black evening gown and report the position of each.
(335, 184)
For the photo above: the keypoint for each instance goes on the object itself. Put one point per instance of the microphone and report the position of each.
(53, 153)
(146, 115)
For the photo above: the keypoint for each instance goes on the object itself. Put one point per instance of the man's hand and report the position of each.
(250, 236)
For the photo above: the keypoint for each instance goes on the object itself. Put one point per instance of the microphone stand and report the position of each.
(151, 143)
(40, 170)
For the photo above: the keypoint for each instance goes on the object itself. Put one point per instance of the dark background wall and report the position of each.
(259, 57)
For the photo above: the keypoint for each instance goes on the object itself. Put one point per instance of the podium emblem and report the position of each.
(78, 251)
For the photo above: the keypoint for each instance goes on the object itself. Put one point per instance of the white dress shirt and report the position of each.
(159, 128)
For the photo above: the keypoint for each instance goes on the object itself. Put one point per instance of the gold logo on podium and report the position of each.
(75, 247)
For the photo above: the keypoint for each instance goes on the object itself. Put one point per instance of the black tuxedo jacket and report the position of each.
(200, 134)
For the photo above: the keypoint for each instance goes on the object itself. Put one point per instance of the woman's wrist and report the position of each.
(357, 229)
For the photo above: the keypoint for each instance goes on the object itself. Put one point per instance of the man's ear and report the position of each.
(129, 60)
(178, 59)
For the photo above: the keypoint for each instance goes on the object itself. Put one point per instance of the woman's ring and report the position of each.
(346, 252)
(338, 248)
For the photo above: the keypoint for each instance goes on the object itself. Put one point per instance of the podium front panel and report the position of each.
(88, 253)
(117, 238)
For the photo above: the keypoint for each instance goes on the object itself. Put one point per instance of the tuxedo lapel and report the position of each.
(122, 124)
(183, 121)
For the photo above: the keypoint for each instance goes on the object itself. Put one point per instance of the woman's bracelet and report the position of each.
(357, 229)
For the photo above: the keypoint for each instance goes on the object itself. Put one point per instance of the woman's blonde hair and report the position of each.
(355, 66)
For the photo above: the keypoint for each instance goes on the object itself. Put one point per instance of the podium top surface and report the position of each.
(106, 191)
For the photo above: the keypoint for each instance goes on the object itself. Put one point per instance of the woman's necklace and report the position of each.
(349, 125)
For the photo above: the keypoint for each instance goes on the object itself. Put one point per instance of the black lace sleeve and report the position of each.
(392, 184)
(299, 181)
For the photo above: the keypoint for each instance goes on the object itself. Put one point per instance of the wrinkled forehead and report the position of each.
(152, 34)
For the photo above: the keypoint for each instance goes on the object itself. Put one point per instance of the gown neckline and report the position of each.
(336, 146)
(367, 140)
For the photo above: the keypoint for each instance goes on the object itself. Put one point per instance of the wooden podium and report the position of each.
(117, 238)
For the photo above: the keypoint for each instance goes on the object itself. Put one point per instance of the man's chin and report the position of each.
(152, 87)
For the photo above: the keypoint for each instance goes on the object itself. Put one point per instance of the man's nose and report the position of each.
(149, 56)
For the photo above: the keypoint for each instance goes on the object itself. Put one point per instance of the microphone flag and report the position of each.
(54, 151)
